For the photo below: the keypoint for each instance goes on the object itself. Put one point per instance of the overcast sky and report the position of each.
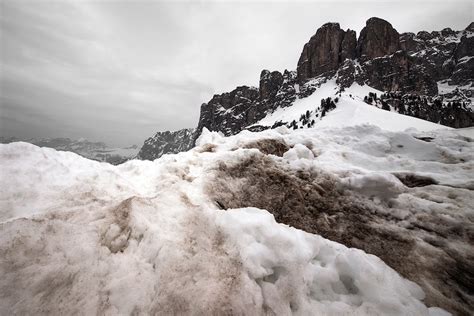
(118, 71)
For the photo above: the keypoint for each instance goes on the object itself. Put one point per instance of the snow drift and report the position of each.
(79, 236)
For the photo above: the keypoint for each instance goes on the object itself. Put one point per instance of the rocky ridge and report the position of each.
(166, 143)
(436, 66)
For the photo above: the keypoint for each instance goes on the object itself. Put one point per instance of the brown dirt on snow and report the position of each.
(315, 202)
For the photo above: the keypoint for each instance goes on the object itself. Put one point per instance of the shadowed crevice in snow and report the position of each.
(412, 180)
(420, 247)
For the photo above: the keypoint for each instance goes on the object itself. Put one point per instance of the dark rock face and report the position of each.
(324, 51)
(465, 47)
(423, 60)
(347, 73)
(470, 27)
(166, 143)
(270, 83)
(446, 109)
(463, 74)
(463, 71)
(409, 43)
(282, 93)
(349, 45)
(398, 72)
(227, 112)
(378, 38)
(231, 112)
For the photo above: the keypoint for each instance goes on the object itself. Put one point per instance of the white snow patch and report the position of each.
(351, 110)
(300, 273)
(300, 106)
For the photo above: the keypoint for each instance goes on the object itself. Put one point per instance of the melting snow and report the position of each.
(79, 236)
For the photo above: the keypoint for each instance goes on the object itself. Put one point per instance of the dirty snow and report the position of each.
(79, 236)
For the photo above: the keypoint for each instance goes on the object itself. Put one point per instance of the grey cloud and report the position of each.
(119, 71)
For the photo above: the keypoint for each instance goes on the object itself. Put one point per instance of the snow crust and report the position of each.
(80, 236)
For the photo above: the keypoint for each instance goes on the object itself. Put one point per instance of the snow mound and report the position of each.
(302, 273)
(79, 236)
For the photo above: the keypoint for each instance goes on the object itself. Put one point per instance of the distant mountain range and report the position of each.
(92, 150)
(425, 75)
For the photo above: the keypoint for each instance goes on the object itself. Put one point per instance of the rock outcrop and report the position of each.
(463, 72)
(279, 91)
(228, 112)
(349, 45)
(326, 51)
(270, 83)
(231, 112)
(397, 72)
(410, 63)
(378, 38)
(438, 109)
(167, 143)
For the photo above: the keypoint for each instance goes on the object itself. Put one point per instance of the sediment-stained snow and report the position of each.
(79, 236)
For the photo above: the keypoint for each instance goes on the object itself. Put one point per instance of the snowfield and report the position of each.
(182, 234)
(351, 110)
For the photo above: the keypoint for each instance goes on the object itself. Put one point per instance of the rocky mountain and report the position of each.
(424, 75)
(166, 142)
(92, 150)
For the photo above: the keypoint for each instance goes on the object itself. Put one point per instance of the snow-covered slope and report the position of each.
(92, 150)
(79, 236)
(350, 110)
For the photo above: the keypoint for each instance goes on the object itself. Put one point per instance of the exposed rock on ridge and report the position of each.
(231, 112)
(166, 143)
(378, 38)
(407, 63)
(227, 112)
(325, 51)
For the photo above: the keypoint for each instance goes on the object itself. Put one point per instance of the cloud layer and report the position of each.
(119, 71)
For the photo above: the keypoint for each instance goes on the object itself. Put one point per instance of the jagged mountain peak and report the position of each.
(325, 51)
(428, 75)
(378, 38)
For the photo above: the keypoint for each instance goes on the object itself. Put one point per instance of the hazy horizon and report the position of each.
(118, 72)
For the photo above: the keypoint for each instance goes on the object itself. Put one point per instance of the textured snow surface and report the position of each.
(79, 236)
